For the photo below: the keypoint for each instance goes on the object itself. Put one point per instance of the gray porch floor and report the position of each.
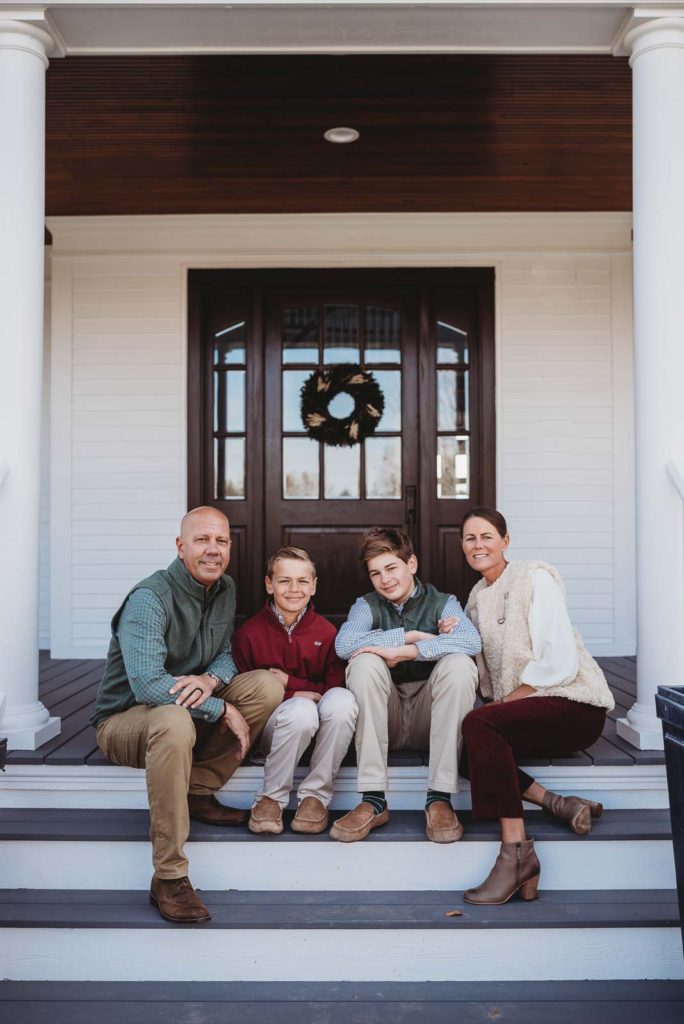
(68, 688)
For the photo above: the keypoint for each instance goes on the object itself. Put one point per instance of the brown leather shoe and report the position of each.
(516, 870)
(576, 811)
(209, 810)
(176, 900)
(358, 823)
(266, 817)
(442, 825)
(311, 817)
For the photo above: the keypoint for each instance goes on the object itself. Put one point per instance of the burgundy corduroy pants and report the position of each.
(496, 736)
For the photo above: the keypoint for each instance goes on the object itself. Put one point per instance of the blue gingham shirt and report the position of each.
(141, 635)
(358, 632)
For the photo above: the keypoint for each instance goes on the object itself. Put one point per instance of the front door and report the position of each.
(266, 347)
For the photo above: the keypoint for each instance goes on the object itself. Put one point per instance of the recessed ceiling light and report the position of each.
(341, 135)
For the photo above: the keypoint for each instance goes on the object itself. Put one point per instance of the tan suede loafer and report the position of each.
(442, 825)
(358, 823)
(209, 810)
(311, 817)
(266, 817)
(176, 900)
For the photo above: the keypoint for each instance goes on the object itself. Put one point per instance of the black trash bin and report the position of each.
(670, 709)
(3, 752)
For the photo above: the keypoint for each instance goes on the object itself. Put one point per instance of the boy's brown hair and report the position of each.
(289, 552)
(382, 540)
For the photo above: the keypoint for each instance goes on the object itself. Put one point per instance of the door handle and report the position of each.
(411, 500)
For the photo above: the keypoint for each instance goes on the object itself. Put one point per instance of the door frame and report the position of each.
(257, 281)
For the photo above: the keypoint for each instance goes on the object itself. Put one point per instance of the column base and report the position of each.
(31, 737)
(641, 736)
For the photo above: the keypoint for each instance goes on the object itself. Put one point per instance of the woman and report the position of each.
(548, 699)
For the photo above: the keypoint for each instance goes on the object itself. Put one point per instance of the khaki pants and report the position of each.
(411, 715)
(181, 755)
(288, 733)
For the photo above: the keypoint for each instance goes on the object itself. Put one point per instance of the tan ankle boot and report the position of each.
(516, 870)
(573, 809)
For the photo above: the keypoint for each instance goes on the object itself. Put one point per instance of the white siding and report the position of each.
(127, 428)
(564, 396)
(556, 426)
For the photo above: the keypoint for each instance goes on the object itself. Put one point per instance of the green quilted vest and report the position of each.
(198, 626)
(422, 611)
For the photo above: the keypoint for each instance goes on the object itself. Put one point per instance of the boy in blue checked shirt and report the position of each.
(410, 650)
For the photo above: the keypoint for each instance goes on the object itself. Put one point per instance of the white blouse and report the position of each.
(556, 659)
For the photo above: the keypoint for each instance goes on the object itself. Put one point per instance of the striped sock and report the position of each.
(376, 798)
(434, 795)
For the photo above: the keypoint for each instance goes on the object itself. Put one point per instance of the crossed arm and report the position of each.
(454, 634)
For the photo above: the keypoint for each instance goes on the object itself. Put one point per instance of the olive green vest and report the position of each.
(198, 624)
(422, 611)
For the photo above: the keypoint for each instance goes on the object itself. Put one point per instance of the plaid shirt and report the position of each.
(281, 618)
(143, 647)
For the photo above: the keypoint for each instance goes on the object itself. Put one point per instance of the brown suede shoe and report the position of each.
(311, 817)
(176, 900)
(516, 870)
(266, 817)
(209, 810)
(576, 811)
(442, 825)
(358, 823)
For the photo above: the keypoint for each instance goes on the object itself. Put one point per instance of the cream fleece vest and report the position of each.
(501, 614)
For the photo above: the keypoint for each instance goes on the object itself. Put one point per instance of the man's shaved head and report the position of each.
(189, 520)
(204, 544)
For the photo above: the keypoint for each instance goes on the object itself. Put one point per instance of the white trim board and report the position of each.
(401, 954)
(114, 787)
(340, 239)
(274, 864)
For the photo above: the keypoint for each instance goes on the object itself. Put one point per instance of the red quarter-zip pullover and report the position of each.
(307, 655)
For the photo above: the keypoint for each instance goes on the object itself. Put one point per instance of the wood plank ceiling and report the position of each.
(224, 134)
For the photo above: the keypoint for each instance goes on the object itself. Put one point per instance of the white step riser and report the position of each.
(374, 954)
(111, 787)
(273, 864)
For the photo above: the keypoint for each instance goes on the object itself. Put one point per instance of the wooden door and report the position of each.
(255, 338)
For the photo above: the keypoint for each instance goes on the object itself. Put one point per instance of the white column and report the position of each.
(657, 60)
(23, 60)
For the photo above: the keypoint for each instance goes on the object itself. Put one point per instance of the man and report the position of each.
(411, 670)
(298, 646)
(170, 700)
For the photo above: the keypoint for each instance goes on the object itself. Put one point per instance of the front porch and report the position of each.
(74, 832)
(67, 688)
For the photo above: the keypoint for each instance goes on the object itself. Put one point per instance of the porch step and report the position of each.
(75, 849)
(102, 785)
(592, 1002)
(303, 936)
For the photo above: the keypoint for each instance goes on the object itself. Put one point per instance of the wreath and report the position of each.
(319, 390)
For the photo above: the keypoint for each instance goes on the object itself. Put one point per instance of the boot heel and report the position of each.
(596, 809)
(528, 891)
(581, 823)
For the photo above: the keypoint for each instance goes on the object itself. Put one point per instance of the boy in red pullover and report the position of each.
(297, 645)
